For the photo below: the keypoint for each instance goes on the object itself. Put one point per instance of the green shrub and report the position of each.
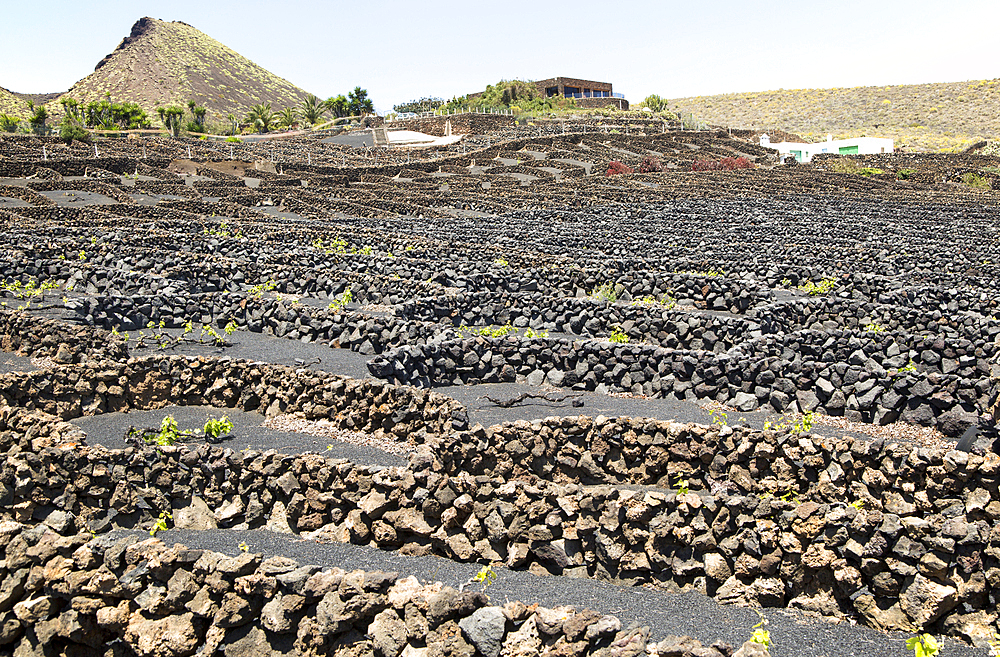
(235, 140)
(975, 180)
(217, 428)
(847, 165)
(427, 104)
(618, 335)
(923, 645)
(70, 129)
(904, 174)
(824, 286)
(605, 292)
(655, 102)
(9, 123)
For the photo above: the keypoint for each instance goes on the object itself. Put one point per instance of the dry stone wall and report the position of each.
(156, 381)
(76, 595)
(928, 558)
(45, 338)
(461, 124)
(834, 372)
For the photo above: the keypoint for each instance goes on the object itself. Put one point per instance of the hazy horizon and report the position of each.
(401, 51)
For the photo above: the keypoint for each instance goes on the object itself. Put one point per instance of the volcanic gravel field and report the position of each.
(739, 389)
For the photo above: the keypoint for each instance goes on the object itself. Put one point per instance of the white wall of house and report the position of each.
(853, 146)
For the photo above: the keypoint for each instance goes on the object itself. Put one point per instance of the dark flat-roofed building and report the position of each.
(574, 88)
(587, 93)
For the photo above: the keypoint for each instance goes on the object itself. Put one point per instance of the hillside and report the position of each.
(161, 64)
(12, 105)
(929, 117)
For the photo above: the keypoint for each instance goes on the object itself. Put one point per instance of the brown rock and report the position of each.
(884, 617)
(925, 600)
(195, 515)
(172, 636)
(234, 611)
(751, 649)
(279, 614)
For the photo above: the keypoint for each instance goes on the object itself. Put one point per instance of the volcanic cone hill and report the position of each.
(938, 116)
(12, 105)
(169, 63)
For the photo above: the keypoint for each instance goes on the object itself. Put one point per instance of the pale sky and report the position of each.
(405, 50)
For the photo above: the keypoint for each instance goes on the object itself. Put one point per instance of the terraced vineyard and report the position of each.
(488, 401)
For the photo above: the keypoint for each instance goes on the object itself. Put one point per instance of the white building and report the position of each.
(853, 146)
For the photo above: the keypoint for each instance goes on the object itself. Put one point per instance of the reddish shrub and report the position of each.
(650, 164)
(706, 165)
(725, 164)
(616, 168)
(731, 163)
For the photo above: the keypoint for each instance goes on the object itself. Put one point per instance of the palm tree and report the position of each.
(337, 106)
(312, 109)
(359, 102)
(198, 113)
(288, 117)
(261, 117)
(232, 123)
(171, 118)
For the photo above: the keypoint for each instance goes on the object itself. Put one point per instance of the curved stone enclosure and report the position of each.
(884, 533)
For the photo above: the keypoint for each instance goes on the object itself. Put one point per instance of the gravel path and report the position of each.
(487, 413)
(266, 348)
(75, 198)
(248, 433)
(11, 362)
(792, 633)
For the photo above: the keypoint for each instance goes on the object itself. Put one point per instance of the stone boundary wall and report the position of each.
(826, 313)
(567, 281)
(156, 381)
(933, 563)
(40, 338)
(26, 194)
(654, 324)
(461, 124)
(887, 476)
(357, 331)
(78, 166)
(941, 297)
(596, 103)
(76, 595)
(709, 293)
(840, 373)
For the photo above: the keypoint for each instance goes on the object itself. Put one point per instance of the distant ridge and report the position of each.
(169, 63)
(937, 116)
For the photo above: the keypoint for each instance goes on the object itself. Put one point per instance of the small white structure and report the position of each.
(853, 146)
